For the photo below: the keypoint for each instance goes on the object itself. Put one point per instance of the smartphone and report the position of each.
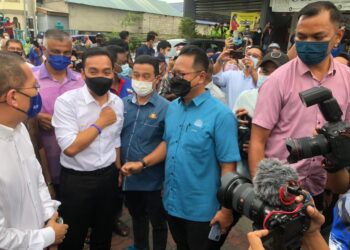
(215, 232)
(236, 55)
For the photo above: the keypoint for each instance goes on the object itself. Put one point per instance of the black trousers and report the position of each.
(193, 235)
(88, 200)
(145, 207)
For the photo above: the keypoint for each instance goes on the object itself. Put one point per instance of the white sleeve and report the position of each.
(221, 79)
(12, 238)
(65, 123)
(120, 122)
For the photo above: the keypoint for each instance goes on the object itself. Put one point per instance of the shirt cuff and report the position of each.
(48, 235)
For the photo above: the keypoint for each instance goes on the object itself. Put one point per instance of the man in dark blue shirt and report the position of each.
(143, 130)
(147, 48)
(199, 145)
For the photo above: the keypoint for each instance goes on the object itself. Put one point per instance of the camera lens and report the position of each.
(306, 147)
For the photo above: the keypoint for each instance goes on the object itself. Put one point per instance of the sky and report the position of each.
(172, 1)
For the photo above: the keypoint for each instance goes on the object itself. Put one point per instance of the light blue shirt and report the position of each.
(234, 83)
(199, 137)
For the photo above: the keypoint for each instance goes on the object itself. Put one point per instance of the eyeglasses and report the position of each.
(36, 86)
(181, 75)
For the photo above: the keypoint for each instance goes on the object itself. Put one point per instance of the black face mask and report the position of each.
(99, 85)
(18, 53)
(179, 87)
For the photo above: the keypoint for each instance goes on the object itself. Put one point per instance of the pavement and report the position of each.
(236, 240)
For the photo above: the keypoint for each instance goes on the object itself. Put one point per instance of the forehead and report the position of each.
(255, 51)
(269, 65)
(315, 24)
(143, 68)
(184, 63)
(58, 44)
(15, 45)
(98, 62)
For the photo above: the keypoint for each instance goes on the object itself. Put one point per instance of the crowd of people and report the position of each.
(86, 129)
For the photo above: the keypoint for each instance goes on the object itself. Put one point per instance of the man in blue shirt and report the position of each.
(142, 132)
(147, 48)
(199, 145)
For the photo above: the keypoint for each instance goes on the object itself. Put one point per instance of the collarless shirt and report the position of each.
(50, 90)
(280, 110)
(199, 136)
(25, 202)
(77, 110)
(234, 83)
(142, 132)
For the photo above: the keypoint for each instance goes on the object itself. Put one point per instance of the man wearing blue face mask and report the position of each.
(235, 82)
(55, 78)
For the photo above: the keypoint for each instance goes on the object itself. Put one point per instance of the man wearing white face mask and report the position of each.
(144, 114)
(235, 82)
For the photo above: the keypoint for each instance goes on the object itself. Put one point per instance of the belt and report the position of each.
(97, 172)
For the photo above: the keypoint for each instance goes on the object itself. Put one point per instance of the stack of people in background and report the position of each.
(155, 133)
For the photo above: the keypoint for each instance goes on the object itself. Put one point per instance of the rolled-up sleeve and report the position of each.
(220, 79)
(269, 104)
(64, 121)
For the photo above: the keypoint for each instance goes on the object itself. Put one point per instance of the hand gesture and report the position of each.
(60, 229)
(239, 114)
(130, 168)
(107, 117)
(254, 239)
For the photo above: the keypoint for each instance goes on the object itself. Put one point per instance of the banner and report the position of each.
(241, 19)
(297, 5)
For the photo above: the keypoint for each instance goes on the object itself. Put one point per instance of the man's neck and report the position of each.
(9, 120)
(321, 69)
(142, 100)
(100, 99)
(193, 94)
(149, 44)
(57, 75)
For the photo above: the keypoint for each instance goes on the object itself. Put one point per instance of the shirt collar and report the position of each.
(303, 68)
(89, 98)
(43, 73)
(152, 99)
(198, 100)
(6, 132)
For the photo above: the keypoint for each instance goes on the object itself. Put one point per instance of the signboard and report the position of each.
(241, 19)
(296, 5)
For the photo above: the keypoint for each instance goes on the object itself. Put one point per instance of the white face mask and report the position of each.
(142, 88)
(261, 79)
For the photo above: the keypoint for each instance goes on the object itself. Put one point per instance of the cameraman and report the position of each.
(312, 239)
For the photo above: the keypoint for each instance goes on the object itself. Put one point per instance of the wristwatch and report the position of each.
(144, 165)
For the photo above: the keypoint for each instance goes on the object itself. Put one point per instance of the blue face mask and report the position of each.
(125, 70)
(35, 105)
(59, 63)
(255, 61)
(312, 53)
(261, 80)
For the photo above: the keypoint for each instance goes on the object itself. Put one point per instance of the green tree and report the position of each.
(188, 28)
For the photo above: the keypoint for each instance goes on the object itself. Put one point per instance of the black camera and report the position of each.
(286, 224)
(244, 131)
(333, 138)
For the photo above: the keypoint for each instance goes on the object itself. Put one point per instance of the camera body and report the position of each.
(333, 138)
(287, 224)
(244, 131)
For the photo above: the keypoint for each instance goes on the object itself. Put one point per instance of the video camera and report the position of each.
(333, 140)
(286, 223)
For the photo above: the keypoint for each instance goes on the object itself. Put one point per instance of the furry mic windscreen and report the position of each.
(270, 176)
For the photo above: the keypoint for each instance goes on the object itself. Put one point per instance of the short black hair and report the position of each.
(114, 50)
(11, 73)
(146, 59)
(313, 9)
(151, 36)
(259, 48)
(13, 41)
(163, 45)
(97, 52)
(201, 60)
(118, 42)
(124, 34)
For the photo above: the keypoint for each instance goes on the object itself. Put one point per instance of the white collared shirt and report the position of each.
(25, 202)
(74, 112)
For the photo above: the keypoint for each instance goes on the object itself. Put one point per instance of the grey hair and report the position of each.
(55, 35)
(270, 176)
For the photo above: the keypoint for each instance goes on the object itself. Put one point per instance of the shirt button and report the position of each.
(318, 122)
(176, 141)
(173, 157)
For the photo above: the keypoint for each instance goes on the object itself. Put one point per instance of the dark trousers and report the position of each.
(88, 200)
(145, 207)
(193, 235)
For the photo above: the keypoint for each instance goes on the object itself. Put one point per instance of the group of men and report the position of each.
(95, 135)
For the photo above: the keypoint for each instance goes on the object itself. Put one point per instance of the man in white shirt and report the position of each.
(88, 122)
(213, 89)
(25, 203)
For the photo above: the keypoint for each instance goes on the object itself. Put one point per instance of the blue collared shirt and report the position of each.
(199, 137)
(234, 83)
(144, 50)
(142, 132)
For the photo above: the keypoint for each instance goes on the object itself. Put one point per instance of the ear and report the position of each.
(83, 74)
(11, 98)
(339, 36)
(202, 76)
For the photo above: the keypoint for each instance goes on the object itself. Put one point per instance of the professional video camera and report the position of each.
(269, 203)
(333, 140)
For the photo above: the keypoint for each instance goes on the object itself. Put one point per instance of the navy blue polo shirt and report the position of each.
(142, 132)
(144, 50)
(199, 137)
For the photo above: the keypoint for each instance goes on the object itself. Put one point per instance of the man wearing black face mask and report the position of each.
(199, 145)
(15, 46)
(88, 122)
(279, 111)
